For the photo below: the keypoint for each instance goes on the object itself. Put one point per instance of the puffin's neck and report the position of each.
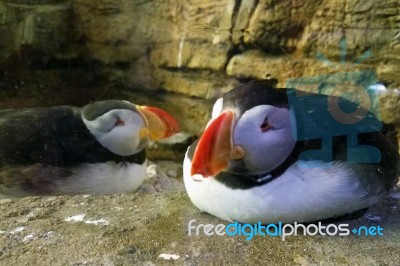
(244, 179)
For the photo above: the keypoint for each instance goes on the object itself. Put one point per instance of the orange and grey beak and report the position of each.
(215, 147)
(159, 124)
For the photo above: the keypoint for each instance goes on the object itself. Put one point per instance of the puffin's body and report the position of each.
(248, 166)
(69, 150)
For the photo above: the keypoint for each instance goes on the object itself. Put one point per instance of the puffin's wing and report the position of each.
(37, 135)
(350, 132)
(388, 168)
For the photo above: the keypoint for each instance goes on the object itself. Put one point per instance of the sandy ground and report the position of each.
(150, 228)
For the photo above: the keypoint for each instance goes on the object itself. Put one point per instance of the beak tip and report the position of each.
(198, 177)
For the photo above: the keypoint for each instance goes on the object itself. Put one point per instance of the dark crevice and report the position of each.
(248, 22)
(234, 50)
(236, 9)
(253, 9)
(240, 46)
(30, 58)
(185, 69)
(120, 65)
(157, 94)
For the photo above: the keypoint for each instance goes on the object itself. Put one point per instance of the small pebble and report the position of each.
(172, 173)
(166, 256)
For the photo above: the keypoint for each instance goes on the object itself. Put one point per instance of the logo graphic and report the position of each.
(323, 115)
(280, 230)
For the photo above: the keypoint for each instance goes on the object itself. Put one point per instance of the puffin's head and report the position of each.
(250, 133)
(125, 128)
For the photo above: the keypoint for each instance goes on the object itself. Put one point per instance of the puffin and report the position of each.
(260, 159)
(95, 149)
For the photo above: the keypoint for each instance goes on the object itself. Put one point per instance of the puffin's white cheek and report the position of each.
(133, 141)
(123, 141)
(132, 138)
(246, 139)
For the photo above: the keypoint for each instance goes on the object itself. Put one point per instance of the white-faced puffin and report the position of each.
(70, 150)
(248, 167)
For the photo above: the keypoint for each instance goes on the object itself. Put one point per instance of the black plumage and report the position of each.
(254, 93)
(96, 109)
(53, 136)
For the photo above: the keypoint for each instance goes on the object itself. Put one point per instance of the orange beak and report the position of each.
(159, 124)
(215, 146)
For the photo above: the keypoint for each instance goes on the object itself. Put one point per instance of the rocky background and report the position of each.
(181, 55)
(185, 54)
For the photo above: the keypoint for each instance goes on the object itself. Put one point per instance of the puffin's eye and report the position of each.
(265, 126)
(119, 122)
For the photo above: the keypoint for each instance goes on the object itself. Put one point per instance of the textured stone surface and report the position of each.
(277, 26)
(257, 64)
(390, 107)
(183, 53)
(205, 84)
(40, 25)
(188, 47)
(138, 228)
(365, 24)
(123, 30)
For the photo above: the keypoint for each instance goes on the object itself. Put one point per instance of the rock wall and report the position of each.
(193, 49)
